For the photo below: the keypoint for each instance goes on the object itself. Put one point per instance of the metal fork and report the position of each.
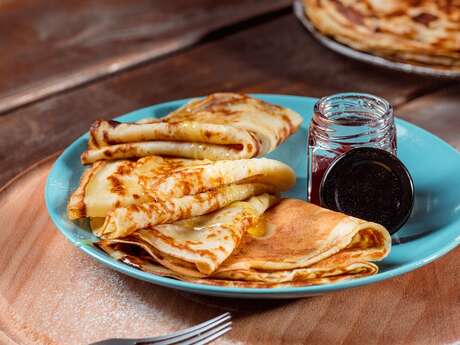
(200, 334)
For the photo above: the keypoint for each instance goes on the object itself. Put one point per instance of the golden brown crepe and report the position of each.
(155, 190)
(295, 243)
(139, 259)
(425, 32)
(200, 177)
(197, 246)
(123, 221)
(107, 186)
(219, 126)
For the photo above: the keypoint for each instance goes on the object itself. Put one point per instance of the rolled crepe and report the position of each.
(220, 126)
(295, 243)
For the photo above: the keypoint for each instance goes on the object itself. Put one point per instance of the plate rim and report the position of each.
(362, 56)
(106, 260)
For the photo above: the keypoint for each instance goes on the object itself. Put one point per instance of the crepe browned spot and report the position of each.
(219, 126)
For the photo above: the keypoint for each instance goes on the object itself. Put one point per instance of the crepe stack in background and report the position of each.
(215, 221)
(425, 32)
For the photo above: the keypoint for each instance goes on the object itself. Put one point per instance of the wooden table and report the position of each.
(68, 64)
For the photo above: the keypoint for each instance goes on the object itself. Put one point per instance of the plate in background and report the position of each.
(366, 57)
(432, 230)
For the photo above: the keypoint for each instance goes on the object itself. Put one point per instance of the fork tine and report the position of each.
(208, 336)
(213, 337)
(186, 333)
(185, 338)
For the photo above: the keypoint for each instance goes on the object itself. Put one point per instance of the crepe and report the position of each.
(197, 246)
(109, 185)
(155, 190)
(193, 179)
(105, 186)
(295, 243)
(425, 32)
(220, 126)
(123, 221)
(139, 259)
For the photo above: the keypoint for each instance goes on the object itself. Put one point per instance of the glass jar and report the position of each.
(342, 122)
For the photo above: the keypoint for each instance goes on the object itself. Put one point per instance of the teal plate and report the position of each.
(432, 230)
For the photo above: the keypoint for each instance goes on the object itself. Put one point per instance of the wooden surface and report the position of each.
(270, 53)
(438, 112)
(57, 45)
(50, 293)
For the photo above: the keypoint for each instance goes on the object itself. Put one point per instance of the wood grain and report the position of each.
(438, 112)
(57, 45)
(51, 293)
(276, 56)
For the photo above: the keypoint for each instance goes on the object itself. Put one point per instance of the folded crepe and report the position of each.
(293, 244)
(155, 190)
(108, 185)
(196, 247)
(123, 221)
(163, 183)
(220, 126)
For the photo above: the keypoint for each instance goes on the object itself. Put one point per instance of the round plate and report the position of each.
(369, 58)
(432, 230)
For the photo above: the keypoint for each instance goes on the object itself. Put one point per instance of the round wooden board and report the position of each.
(51, 293)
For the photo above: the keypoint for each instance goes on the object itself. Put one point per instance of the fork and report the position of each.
(200, 334)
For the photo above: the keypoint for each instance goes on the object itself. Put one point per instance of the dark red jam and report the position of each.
(319, 165)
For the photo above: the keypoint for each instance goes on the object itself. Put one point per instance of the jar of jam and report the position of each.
(342, 122)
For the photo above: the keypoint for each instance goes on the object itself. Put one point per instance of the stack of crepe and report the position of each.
(425, 32)
(210, 221)
(292, 244)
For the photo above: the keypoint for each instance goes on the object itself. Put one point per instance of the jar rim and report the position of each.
(384, 113)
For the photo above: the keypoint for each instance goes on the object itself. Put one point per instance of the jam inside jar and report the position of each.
(342, 122)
